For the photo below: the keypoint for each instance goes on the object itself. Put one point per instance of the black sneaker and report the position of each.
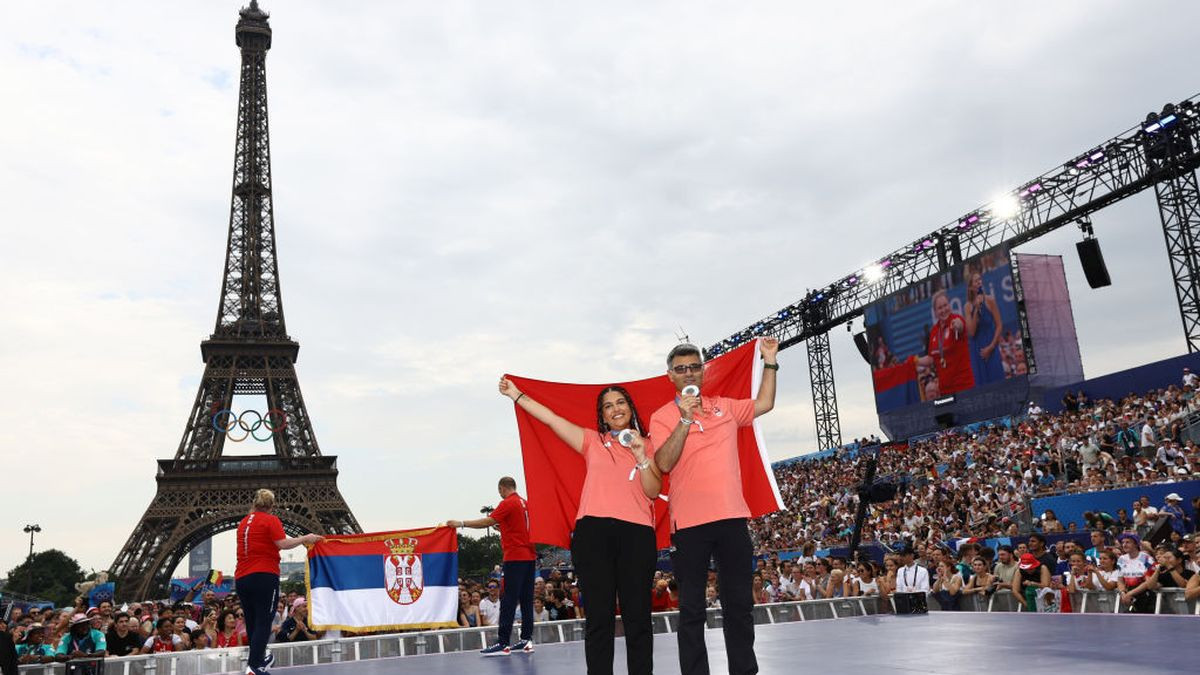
(525, 646)
(496, 650)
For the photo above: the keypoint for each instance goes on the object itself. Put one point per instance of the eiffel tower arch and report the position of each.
(200, 491)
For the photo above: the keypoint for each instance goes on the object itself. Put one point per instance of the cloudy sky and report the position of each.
(549, 189)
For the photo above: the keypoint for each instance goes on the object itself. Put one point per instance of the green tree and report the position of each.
(54, 577)
(292, 584)
(477, 556)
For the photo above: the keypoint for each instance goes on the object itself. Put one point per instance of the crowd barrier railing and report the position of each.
(1166, 601)
(360, 648)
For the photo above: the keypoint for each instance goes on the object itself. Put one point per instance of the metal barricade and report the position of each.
(1004, 601)
(873, 604)
(1174, 601)
(361, 648)
(1095, 602)
(974, 602)
(816, 610)
(85, 666)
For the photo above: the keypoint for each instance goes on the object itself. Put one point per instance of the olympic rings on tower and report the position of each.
(226, 422)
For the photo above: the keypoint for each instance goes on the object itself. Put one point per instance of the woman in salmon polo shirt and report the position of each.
(613, 545)
(260, 538)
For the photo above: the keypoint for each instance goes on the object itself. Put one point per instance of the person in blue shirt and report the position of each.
(82, 641)
(1179, 520)
(33, 649)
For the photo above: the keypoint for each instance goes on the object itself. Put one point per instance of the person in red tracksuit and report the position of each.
(260, 538)
(520, 559)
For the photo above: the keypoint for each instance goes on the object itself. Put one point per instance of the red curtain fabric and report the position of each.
(554, 473)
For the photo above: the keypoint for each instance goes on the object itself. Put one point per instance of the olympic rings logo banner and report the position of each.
(227, 422)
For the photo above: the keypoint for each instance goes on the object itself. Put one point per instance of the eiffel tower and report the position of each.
(200, 492)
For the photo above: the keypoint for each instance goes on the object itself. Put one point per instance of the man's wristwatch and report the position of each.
(771, 366)
(643, 465)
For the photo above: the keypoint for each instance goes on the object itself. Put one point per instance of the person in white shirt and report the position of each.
(911, 577)
(798, 588)
(489, 607)
(1149, 438)
(1189, 378)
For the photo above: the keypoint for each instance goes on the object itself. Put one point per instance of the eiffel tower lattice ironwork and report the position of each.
(200, 492)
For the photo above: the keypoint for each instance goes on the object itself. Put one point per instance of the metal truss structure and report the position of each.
(820, 375)
(1161, 152)
(200, 492)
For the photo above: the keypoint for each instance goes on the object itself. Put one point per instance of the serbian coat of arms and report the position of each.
(403, 577)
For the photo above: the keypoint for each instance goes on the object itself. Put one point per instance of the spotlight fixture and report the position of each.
(1005, 207)
(1031, 189)
(1155, 123)
(873, 273)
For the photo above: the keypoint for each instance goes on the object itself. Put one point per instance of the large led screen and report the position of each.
(948, 334)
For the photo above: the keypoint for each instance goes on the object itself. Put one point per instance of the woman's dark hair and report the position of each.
(602, 426)
(1167, 548)
(221, 619)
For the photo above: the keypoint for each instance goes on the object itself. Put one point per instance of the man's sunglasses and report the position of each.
(687, 367)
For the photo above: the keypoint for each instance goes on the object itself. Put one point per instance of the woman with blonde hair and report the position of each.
(949, 349)
(260, 538)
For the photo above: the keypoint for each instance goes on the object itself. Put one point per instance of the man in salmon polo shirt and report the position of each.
(696, 441)
(520, 559)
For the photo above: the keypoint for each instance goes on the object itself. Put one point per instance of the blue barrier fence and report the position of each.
(1070, 508)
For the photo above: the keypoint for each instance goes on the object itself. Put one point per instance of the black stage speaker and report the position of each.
(864, 348)
(1092, 261)
(945, 420)
(1160, 531)
(911, 603)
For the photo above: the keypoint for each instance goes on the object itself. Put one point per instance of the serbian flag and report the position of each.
(384, 580)
(554, 472)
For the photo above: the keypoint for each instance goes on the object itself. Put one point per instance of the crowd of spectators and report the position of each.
(555, 598)
(1038, 577)
(953, 487)
(48, 635)
(959, 485)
